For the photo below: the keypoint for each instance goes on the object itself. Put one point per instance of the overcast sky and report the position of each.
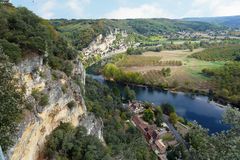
(121, 9)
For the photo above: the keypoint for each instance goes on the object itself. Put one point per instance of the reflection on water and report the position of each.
(188, 106)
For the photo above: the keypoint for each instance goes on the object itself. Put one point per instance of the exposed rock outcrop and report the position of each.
(105, 46)
(42, 120)
(93, 125)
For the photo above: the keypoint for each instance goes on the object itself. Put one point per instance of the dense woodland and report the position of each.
(69, 143)
(227, 81)
(221, 146)
(23, 34)
(122, 138)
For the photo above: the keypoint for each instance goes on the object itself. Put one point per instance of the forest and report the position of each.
(70, 143)
(122, 138)
(227, 81)
(23, 34)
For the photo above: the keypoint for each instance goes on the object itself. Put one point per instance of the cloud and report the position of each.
(214, 8)
(68, 8)
(142, 11)
(46, 10)
(77, 7)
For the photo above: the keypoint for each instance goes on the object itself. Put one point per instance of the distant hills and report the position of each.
(228, 21)
(82, 32)
(140, 26)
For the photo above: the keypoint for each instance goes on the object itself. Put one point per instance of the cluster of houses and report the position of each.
(153, 134)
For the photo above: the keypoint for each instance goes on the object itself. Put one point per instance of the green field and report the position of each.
(187, 75)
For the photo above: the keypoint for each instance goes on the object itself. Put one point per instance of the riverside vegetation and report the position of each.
(24, 35)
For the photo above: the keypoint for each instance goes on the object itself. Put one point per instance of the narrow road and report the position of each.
(174, 131)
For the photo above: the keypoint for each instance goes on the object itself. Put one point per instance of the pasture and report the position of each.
(185, 71)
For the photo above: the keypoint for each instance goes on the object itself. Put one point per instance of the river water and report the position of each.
(191, 107)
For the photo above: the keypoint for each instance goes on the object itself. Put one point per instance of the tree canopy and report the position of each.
(222, 146)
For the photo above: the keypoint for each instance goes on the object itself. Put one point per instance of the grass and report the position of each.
(187, 75)
(168, 137)
(139, 60)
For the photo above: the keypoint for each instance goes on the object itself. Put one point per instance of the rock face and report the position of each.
(42, 120)
(93, 125)
(104, 46)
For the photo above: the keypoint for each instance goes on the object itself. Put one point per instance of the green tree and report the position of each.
(129, 94)
(224, 145)
(158, 116)
(173, 118)
(67, 142)
(11, 103)
(148, 115)
(168, 108)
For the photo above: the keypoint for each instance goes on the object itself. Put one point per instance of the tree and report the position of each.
(173, 118)
(190, 47)
(148, 115)
(224, 145)
(158, 116)
(168, 108)
(67, 142)
(129, 94)
(11, 103)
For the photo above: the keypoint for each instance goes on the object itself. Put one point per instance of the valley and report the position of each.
(117, 89)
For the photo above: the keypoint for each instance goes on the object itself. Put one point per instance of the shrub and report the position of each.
(43, 100)
(67, 68)
(71, 105)
(40, 97)
(11, 50)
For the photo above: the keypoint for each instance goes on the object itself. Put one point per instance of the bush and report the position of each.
(71, 105)
(11, 50)
(40, 97)
(67, 68)
(43, 100)
(134, 51)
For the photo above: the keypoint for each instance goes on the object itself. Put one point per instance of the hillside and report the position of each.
(81, 32)
(141, 26)
(40, 82)
(228, 21)
(43, 94)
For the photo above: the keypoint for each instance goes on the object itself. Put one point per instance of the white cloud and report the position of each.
(53, 8)
(46, 10)
(77, 7)
(143, 11)
(214, 8)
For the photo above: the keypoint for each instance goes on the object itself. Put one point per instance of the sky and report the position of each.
(121, 9)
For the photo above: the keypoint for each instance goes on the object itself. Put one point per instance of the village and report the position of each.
(159, 138)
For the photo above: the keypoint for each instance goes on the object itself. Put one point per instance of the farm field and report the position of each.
(187, 75)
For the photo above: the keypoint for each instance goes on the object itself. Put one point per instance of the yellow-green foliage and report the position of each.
(223, 53)
(111, 71)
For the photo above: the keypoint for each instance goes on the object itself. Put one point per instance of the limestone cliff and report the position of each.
(39, 120)
(105, 46)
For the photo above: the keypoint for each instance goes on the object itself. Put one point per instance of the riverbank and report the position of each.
(223, 103)
(192, 107)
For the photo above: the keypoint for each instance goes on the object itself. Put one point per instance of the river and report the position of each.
(191, 107)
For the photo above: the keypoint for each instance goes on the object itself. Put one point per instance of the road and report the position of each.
(174, 131)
